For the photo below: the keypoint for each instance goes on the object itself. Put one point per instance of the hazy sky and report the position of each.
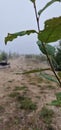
(18, 15)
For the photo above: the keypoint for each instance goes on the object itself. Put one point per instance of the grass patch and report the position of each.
(46, 115)
(57, 102)
(58, 96)
(17, 88)
(26, 103)
(14, 94)
(50, 86)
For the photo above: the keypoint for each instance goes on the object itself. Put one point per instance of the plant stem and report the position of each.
(48, 58)
(37, 18)
(51, 65)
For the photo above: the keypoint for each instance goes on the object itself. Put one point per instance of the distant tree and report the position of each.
(3, 56)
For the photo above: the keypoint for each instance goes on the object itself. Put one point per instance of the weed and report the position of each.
(57, 102)
(14, 94)
(46, 115)
(26, 103)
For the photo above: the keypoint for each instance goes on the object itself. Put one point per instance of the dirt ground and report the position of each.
(14, 86)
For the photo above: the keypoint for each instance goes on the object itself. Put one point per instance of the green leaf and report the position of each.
(49, 77)
(47, 5)
(11, 37)
(52, 31)
(58, 95)
(50, 49)
(59, 74)
(35, 70)
(56, 103)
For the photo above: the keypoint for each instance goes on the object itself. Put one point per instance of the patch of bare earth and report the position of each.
(15, 86)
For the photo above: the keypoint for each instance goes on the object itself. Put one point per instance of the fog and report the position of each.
(19, 15)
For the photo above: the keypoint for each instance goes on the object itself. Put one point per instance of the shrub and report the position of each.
(3, 56)
(26, 103)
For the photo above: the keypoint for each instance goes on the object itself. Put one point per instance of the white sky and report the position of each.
(18, 15)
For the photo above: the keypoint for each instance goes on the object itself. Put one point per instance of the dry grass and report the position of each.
(23, 97)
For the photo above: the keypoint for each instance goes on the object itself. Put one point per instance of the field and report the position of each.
(25, 99)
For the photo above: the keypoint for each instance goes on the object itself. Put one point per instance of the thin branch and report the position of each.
(37, 17)
(51, 65)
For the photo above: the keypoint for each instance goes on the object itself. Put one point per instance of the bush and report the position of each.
(3, 56)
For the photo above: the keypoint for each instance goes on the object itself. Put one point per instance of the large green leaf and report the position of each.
(52, 31)
(49, 77)
(50, 49)
(11, 37)
(47, 5)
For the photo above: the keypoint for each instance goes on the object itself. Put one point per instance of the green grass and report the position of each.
(14, 94)
(46, 115)
(26, 103)
(58, 95)
(57, 102)
(17, 88)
